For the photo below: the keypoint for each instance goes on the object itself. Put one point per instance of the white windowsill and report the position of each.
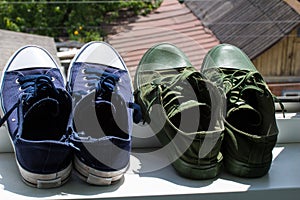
(282, 181)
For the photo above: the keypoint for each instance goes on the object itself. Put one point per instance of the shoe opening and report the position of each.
(47, 119)
(101, 118)
(193, 108)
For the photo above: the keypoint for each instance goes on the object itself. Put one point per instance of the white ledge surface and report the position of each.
(141, 182)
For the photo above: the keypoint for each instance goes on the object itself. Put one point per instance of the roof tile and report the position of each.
(172, 22)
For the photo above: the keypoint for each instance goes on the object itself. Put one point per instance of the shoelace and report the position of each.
(33, 88)
(167, 87)
(95, 79)
(236, 83)
(255, 81)
(104, 84)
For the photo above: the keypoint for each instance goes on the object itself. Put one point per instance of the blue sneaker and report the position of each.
(37, 107)
(101, 87)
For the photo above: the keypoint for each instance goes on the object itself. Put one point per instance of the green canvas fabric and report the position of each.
(190, 108)
(251, 129)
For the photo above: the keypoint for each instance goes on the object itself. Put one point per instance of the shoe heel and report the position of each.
(97, 177)
(197, 172)
(45, 180)
(246, 170)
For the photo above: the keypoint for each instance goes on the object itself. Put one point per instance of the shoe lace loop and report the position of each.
(36, 86)
(241, 81)
(104, 84)
(33, 87)
(168, 87)
(97, 79)
(237, 83)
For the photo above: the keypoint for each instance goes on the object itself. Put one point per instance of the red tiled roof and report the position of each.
(172, 22)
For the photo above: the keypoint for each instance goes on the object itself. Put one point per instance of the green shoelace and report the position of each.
(236, 82)
(170, 88)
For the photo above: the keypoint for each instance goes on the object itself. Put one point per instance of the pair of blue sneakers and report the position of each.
(53, 125)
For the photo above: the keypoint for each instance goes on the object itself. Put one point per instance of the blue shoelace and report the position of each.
(33, 87)
(104, 84)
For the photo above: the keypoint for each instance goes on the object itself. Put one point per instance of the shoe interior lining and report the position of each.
(246, 120)
(192, 120)
(196, 118)
(47, 120)
(258, 120)
(113, 119)
(104, 119)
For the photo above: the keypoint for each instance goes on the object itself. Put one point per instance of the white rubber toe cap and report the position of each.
(100, 53)
(31, 57)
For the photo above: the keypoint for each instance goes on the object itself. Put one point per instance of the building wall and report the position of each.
(282, 59)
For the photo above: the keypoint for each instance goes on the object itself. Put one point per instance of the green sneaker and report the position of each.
(251, 130)
(187, 107)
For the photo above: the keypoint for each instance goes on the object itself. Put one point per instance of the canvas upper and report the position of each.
(251, 129)
(187, 107)
(36, 107)
(100, 85)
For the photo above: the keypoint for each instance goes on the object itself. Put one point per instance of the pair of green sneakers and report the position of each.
(222, 115)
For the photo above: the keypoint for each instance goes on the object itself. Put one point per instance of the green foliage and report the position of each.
(81, 20)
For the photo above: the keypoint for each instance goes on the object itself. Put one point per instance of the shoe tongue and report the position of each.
(244, 115)
(43, 108)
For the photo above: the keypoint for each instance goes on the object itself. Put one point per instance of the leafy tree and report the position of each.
(82, 20)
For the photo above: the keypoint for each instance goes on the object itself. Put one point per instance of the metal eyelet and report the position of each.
(20, 89)
(17, 81)
(52, 79)
(84, 78)
(86, 85)
(83, 71)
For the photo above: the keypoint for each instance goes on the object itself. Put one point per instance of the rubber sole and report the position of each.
(197, 172)
(188, 170)
(45, 180)
(97, 177)
(245, 170)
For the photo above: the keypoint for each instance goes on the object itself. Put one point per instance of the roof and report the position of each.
(252, 25)
(11, 41)
(294, 4)
(172, 22)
